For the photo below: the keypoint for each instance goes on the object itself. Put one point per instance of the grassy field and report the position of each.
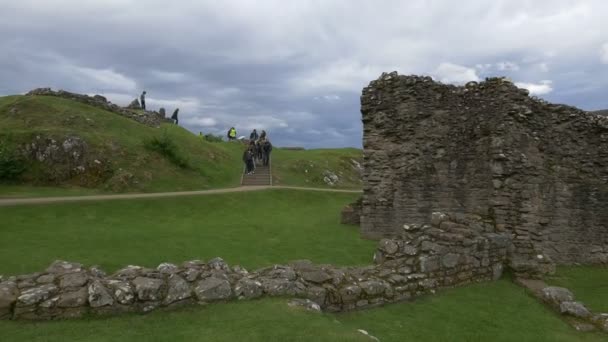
(497, 311)
(589, 284)
(122, 142)
(251, 229)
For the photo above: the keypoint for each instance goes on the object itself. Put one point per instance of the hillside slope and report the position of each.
(58, 142)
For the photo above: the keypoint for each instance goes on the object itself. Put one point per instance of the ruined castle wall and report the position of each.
(424, 259)
(538, 170)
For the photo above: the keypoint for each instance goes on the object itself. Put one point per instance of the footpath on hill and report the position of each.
(46, 200)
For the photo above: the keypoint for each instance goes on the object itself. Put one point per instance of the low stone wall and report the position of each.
(153, 119)
(351, 214)
(428, 258)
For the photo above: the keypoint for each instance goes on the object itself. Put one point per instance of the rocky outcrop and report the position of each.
(67, 158)
(149, 118)
(537, 171)
(424, 259)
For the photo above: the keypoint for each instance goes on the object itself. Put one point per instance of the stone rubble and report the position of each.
(149, 118)
(425, 259)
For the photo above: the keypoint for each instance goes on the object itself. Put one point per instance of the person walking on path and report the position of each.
(174, 116)
(266, 150)
(232, 134)
(254, 135)
(142, 99)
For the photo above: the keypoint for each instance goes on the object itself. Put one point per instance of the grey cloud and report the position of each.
(296, 68)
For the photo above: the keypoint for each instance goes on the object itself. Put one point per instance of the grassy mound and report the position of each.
(121, 155)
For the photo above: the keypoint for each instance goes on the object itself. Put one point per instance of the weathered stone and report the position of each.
(557, 295)
(97, 272)
(129, 272)
(212, 289)
(123, 291)
(409, 250)
(279, 287)
(149, 289)
(76, 279)
(46, 279)
(437, 218)
(248, 289)
(450, 260)
(191, 274)
(373, 287)
(36, 295)
(316, 276)
(177, 289)
(317, 294)
(218, 264)
(134, 104)
(73, 299)
(389, 246)
(167, 268)
(350, 293)
(429, 264)
(99, 296)
(63, 267)
(305, 303)
(282, 272)
(575, 309)
(8, 297)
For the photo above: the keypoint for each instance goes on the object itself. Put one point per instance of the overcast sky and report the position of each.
(296, 68)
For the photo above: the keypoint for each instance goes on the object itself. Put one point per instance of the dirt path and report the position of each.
(45, 200)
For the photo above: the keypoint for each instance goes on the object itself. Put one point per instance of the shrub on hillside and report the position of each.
(12, 164)
(166, 147)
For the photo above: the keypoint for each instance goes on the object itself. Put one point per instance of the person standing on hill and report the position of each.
(263, 135)
(174, 116)
(232, 134)
(266, 150)
(142, 99)
(254, 135)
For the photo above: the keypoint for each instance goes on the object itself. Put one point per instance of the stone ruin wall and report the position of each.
(537, 171)
(420, 261)
(150, 118)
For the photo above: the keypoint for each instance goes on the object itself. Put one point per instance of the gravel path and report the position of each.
(45, 200)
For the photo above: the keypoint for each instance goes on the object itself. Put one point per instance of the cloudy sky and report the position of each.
(296, 68)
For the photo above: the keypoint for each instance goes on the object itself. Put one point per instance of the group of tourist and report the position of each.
(142, 101)
(258, 151)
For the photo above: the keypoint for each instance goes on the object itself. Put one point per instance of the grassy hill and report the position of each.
(64, 146)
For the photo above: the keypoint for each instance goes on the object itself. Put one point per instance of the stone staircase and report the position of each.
(262, 176)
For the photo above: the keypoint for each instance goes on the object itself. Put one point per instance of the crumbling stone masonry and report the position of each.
(420, 261)
(537, 171)
(153, 119)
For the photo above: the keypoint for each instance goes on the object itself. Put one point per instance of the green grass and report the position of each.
(122, 141)
(588, 283)
(306, 168)
(497, 311)
(253, 229)
(17, 191)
